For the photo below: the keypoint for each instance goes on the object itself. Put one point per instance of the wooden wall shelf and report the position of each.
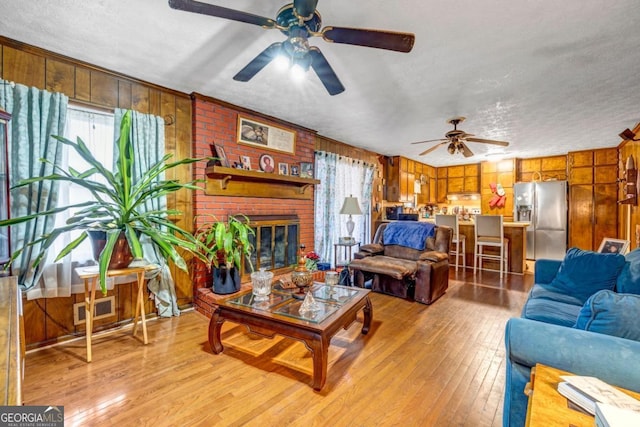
(243, 183)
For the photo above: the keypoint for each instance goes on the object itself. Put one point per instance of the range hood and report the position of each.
(463, 197)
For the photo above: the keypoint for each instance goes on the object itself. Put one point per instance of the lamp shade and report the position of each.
(350, 206)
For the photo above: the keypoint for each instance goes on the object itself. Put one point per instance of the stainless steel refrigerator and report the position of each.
(544, 205)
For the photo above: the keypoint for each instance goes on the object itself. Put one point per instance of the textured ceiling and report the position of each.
(549, 76)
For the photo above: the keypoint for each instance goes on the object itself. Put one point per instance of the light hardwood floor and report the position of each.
(438, 365)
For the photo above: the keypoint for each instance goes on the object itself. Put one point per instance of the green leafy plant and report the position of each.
(226, 241)
(118, 206)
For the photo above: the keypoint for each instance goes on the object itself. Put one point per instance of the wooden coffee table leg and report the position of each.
(368, 315)
(215, 324)
(320, 353)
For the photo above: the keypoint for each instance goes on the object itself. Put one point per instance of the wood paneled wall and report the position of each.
(629, 215)
(48, 319)
(503, 173)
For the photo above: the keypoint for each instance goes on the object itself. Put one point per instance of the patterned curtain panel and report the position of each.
(147, 136)
(340, 177)
(36, 115)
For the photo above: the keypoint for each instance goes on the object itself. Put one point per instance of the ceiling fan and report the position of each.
(457, 138)
(299, 21)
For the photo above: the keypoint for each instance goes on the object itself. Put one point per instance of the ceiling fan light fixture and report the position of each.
(451, 148)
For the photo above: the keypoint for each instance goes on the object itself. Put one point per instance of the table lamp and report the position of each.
(350, 207)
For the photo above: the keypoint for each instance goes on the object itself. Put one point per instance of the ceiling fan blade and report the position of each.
(258, 63)
(221, 12)
(431, 140)
(432, 148)
(304, 8)
(324, 71)
(488, 141)
(465, 150)
(391, 40)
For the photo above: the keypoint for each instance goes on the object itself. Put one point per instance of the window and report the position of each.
(96, 129)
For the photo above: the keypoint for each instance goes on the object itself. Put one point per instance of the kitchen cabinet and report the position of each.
(401, 178)
(463, 179)
(593, 194)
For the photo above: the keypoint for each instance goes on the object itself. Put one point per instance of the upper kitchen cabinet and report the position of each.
(401, 178)
(542, 169)
(463, 179)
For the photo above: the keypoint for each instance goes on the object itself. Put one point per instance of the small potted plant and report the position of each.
(227, 244)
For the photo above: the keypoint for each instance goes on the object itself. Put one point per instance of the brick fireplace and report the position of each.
(216, 121)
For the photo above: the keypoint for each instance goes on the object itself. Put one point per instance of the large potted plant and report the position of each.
(227, 244)
(118, 212)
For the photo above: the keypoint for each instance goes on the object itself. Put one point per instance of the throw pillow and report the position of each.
(583, 273)
(610, 313)
(629, 279)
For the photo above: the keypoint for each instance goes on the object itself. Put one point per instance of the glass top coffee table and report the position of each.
(281, 315)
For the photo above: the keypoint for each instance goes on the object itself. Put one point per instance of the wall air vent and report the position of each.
(105, 307)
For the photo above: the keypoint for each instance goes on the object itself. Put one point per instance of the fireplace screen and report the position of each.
(276, 243)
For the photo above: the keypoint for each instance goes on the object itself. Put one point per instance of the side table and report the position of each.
(347, 248)
(90, 276)
(547, 407)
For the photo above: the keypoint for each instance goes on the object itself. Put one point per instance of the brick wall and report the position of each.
(215, 121)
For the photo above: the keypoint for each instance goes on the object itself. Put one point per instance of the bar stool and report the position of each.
(457, 239)
(489, 231)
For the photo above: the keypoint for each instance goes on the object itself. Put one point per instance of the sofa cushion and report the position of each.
(610, 313)
(629, 279)
(543, 291)
(549, 311)
(583, 273)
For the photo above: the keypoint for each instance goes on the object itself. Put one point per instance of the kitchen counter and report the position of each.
(516, 232)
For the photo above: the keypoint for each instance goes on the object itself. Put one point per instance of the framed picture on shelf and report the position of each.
(220, 154)
(306, 170)
(613, 246)
(294, 170)
(252, 132)
(283, 168)
(246, 162)
(266, 163)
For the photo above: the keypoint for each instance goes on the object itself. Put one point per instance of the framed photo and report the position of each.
(252, 132)
(246, 162)
(220, 153)
(294, 170)
(283, 168)
(266, 163)
(306, 170)
(612, 246)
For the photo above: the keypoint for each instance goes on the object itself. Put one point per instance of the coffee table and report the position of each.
(281, 315)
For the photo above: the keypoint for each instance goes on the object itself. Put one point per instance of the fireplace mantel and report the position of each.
(223, 181)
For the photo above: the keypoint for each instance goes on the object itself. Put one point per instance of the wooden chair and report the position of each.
(457, 239)
(489, 232)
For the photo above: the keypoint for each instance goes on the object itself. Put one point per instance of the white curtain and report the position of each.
(340, 177)
(95, 128)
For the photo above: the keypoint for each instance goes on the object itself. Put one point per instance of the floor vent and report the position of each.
(105, 307)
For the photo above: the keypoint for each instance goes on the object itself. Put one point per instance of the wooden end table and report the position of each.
(547, 407)
(280, 315)
(90, 276)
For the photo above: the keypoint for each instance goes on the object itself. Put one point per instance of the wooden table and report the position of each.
(90, 275)
(280, 316)
(548, 408)
(348, 247)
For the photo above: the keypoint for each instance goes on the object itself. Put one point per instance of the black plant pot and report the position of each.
(226, 281)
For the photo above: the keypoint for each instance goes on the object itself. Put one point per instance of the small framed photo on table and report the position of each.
(613, 246)
(218, 151)
(283, 168)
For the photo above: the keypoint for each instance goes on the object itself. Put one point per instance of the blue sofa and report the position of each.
(583, 316)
